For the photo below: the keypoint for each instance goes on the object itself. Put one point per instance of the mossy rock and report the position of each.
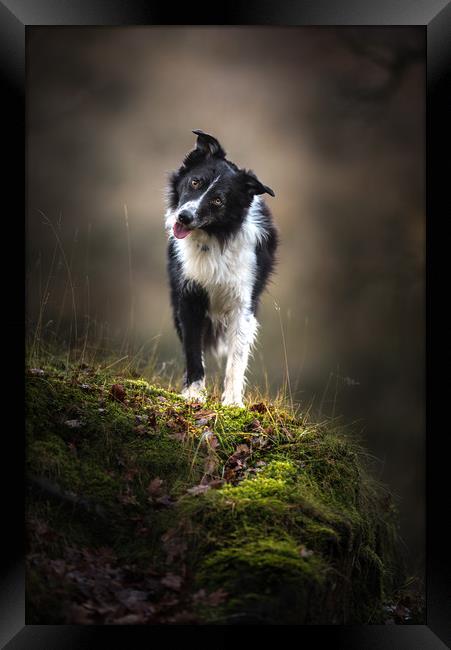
(261, 516)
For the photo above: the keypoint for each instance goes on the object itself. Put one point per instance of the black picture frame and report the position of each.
(15, 17)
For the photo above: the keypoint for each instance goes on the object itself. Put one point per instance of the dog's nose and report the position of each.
(185, 217)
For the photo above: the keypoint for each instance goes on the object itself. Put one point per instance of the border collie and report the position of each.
(221, 251)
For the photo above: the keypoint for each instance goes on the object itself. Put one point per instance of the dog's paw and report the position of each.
(230, 399)
(195, 392)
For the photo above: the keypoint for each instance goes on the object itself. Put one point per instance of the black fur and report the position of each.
(266, 258)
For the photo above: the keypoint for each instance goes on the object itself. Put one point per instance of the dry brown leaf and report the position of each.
(172, 581)
(154, 487)
(216, 483)
(118, 392)
(178, 435)
(260, 407)
(198, 489)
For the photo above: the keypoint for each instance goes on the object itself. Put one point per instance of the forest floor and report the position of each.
(143, 508)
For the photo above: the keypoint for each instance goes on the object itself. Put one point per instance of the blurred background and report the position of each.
(333, 119)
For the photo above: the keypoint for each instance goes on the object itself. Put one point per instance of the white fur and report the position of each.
(195, 391)
(228, 276)
(241, 334)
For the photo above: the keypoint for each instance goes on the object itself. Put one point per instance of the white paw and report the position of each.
(195, 391)
(230, 399)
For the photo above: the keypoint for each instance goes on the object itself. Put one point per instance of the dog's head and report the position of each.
(209, 192)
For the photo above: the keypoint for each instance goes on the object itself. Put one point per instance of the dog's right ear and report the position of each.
(252, 185)
(206, 146)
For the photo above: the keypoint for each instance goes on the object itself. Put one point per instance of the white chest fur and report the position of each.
(228, 273)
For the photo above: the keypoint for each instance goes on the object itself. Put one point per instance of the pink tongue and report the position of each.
(180, 231)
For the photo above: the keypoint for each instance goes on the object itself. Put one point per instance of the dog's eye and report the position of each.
(195, 183)
(217, 201)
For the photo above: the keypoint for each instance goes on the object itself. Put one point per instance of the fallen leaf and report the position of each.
(201, 422)
(209, 439)
(176, 421)
(154, 487)
(129, 597)
(118, 392)
(213, 598)
(255, 425)
(73, 424)
(260, 407)
(178, 435)
(79, 615)
(152, 419)
(198, 489)
(205, 414)
(216, 483)
(183, 618)
(142, 531)
(58, 566)
(128, 619)
(237, 459)
(199, 596)
(229, 474)
(217, 597)
(260, 442)
(165, 500)
(172, 581)
(203, 417)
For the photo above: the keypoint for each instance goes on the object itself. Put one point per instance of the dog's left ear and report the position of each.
(253, 185)
(208, 145)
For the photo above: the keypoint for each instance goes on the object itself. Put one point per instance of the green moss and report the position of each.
(233, 419)
(301, 533)
(268, 577)
(142, 387)
(338, 541)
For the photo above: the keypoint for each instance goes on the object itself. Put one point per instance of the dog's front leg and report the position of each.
(240, 334)
(193, 306)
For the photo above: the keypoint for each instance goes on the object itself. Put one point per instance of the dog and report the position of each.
(221, 252)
